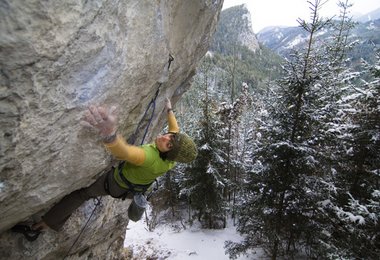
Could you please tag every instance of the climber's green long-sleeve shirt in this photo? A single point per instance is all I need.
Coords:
(143, 163)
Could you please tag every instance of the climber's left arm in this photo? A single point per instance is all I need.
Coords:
(172, 122)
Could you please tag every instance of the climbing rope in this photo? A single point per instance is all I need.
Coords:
(97, 203)
(131, 140)
(151, 105)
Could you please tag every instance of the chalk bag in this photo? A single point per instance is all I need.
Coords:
(137, 207)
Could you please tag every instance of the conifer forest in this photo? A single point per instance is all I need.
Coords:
(288, 145)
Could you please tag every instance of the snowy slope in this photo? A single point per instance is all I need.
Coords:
(172, 242)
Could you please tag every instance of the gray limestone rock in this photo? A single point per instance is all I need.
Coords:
(57, 58)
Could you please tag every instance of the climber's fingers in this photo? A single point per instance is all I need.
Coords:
(108, 115)
(85, 123)
(95, 113)
(168, 104)
(113, 111)
(89, 118)
(102, 119)
(103, 112)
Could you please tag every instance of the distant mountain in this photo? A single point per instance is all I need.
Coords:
(374, 15)
(234, 28)
(283, 39)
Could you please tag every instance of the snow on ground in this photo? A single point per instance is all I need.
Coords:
(171, 242)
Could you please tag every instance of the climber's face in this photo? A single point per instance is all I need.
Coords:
(164, 142)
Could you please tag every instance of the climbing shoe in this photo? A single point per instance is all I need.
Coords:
(28, 233)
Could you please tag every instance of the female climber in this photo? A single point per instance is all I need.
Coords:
(142, 165)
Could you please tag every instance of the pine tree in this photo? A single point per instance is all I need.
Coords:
(204, 181)
(353, 208)
(282, 193)
(344, 136)
(230, 119)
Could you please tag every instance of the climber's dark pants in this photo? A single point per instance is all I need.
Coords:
(57, 215)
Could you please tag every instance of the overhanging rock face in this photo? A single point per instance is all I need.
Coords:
(57, 58)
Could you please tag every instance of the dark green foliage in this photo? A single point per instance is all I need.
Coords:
(314, 188)
(204, 183)
(281, 210)
(355, 205)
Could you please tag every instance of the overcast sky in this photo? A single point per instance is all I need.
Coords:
(285, 12)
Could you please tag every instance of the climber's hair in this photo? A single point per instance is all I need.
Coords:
(163, 155)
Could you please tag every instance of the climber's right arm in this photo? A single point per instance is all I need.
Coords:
(105, 121)
(124, 151)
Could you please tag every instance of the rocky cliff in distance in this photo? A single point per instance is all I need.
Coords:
(234, 29)
(58, 57)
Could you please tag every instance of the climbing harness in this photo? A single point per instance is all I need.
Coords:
(132, 188)
(131, 140)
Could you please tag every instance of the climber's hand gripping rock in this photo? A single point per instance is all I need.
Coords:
(103, 119)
